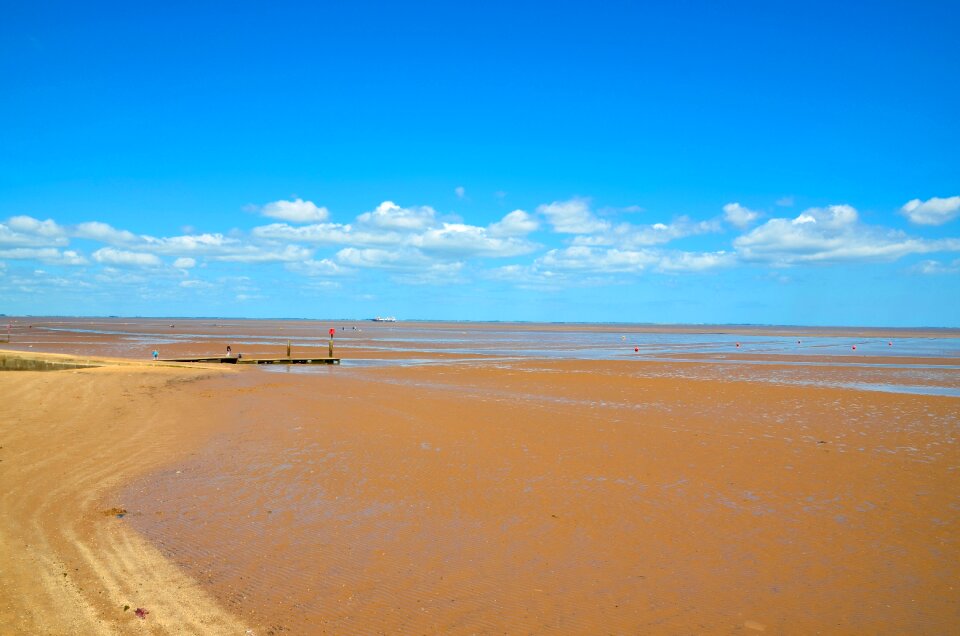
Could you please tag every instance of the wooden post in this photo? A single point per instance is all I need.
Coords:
(288, 349)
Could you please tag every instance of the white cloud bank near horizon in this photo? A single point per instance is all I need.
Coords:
(564, 242)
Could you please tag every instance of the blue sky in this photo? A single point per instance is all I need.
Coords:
(696, 162)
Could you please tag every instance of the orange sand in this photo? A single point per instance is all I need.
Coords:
(525, 497)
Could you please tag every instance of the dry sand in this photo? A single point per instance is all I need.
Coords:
(68, 565)
(522, 497)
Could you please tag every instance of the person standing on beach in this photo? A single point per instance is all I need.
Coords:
(156, 354)
(229, 351)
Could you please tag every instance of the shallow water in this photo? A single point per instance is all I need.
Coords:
(600, 342)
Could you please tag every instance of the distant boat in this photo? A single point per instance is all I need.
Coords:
(384, 319)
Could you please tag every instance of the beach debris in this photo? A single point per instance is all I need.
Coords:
(114, 512)
(141, 613)
(126, 607)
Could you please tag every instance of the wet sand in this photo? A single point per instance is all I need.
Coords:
(501, 496)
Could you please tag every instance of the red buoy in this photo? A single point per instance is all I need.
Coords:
(636, 349)
(854, 347)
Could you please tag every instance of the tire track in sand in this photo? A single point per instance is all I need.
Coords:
(67, 439)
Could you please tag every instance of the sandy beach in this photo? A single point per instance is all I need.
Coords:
(524, 495)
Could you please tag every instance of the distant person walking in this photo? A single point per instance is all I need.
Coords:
(156, 354)
(229, 351)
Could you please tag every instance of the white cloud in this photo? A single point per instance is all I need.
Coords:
(321, 233)
(696, 262)
(933, 268)
(629, 236)
(828, 235)
(297, 211)
(590, 259)
(516, 223)
(323, 267)
(122, 258)
(390, 216)
(738, 215)
(195, 284)
(572, 217)
(47, 255)
(459, 240)
(30, 225)
(191, 244)
(328, 234)
(103, 232)
(933, 211)
(379, 258)
(460, 192)
(255, 254)
(26, 231)
(185, 263)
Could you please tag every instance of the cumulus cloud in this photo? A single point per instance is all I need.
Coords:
(459, 240)
(572, 217)
(516, 223)
(320, 233)
(26, 231)
(390, 216)
(629, 236)
(195, 284)
(382, 259)
(185, 263)
(122, 258)
(195, 243)
(97, 231)
(934, 268)
(256, 254)
(48, 255)
(590, 259)
(695, 261)
(738, 215)
(296, 211)
(829, 235)
(322, 267)
(933, 211)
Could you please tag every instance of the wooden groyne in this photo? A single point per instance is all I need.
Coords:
(236, 360)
